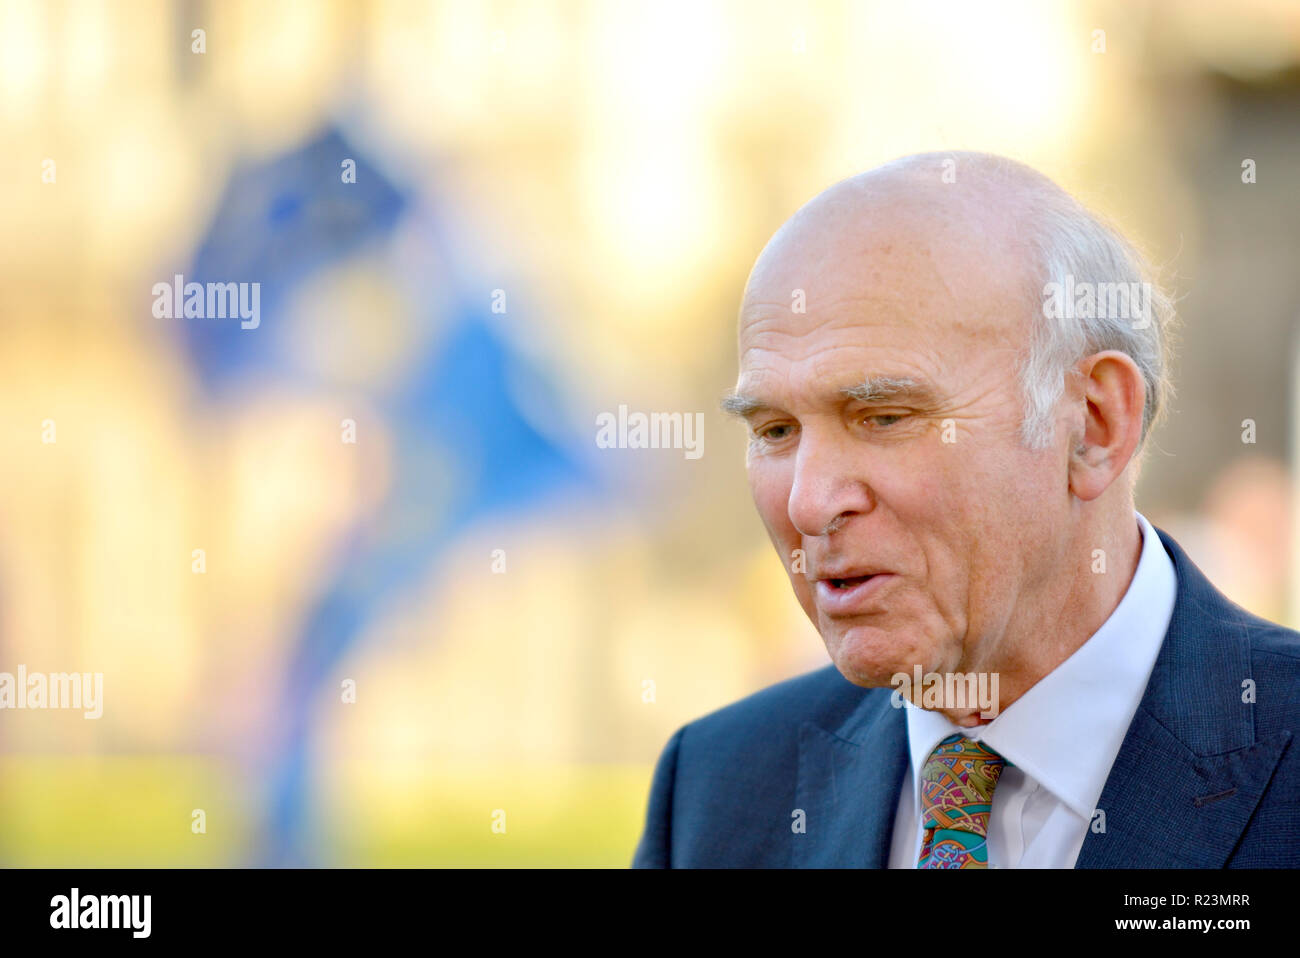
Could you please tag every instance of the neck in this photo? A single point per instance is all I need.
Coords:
(1068, 615)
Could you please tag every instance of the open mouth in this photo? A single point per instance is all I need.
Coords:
(849, 583)
(853, 595)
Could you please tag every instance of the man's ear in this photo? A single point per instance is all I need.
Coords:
(1113, 394)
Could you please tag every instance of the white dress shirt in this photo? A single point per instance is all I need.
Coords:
(1062, 735)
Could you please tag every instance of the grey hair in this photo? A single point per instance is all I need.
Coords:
(1070, 244)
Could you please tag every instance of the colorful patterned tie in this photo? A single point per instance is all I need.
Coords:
(957, 785)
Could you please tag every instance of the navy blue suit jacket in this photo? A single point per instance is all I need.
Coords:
(1203, 779)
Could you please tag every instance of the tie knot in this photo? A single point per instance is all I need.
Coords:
(957, 785)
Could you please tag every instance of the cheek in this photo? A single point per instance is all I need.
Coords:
(771, 491)
(771, 494)
(955, 482)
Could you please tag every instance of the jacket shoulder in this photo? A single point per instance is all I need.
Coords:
(1271, 639)
(1275, 670)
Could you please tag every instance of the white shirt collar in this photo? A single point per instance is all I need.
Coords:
(1067, 729)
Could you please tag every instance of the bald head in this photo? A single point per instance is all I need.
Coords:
(970, 197)
(905, 241)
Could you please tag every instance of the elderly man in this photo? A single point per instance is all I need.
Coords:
(948, 370)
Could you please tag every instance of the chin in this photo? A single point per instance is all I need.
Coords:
(872, 658)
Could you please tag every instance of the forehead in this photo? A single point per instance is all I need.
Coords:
(838, 298)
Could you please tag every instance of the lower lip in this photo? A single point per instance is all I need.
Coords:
(852, 600)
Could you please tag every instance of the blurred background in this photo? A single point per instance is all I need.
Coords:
(363, 588)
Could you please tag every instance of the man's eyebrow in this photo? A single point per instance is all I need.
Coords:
(873, 389)
(739, 404)
(880, 389)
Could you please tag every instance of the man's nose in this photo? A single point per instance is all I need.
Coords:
(827, 489)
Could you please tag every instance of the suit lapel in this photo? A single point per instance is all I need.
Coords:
(1166, 807)
(1190, 771)
(849, 781)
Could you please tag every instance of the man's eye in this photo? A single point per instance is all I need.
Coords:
(774, 433)
(886, 419)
